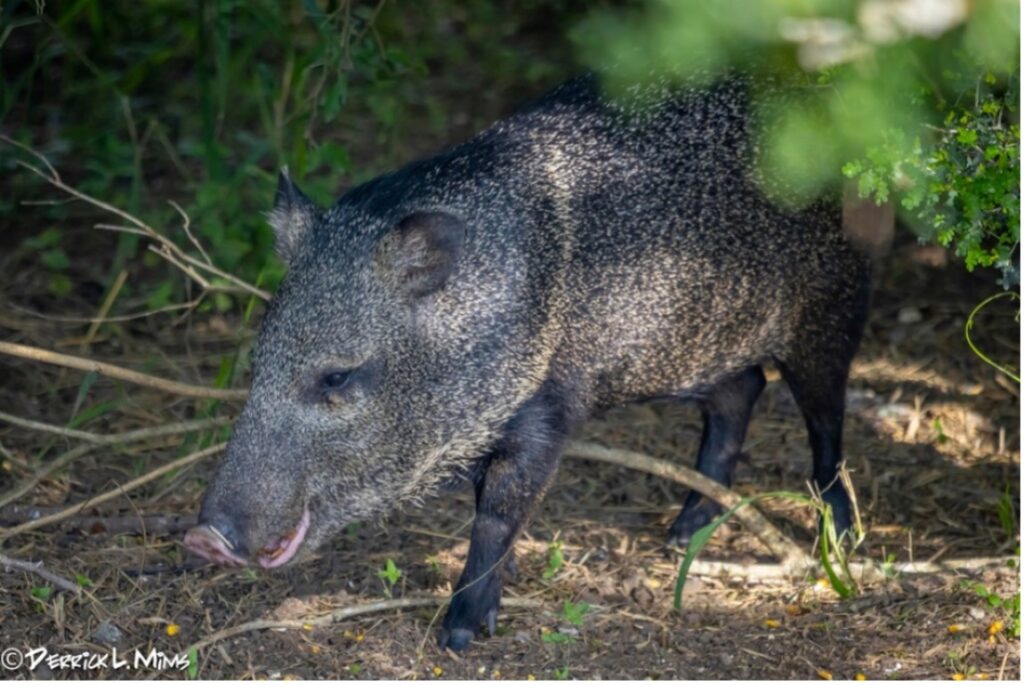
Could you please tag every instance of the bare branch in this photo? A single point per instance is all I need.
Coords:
(792, 557)
(136, 377)
(37, 568)
(342, 614)
(94, 441)
(120, 490)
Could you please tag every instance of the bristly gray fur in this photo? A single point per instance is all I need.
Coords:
(621, 250)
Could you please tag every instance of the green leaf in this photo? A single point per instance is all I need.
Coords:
(59, 284)
(390, 573)
(828, 534)
(55, 259)
(574, 612)
(193, 664)
(556, 638)
(83, 581)
(42, 592)
(555, 560)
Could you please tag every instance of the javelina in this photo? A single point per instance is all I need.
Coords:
(455, 320)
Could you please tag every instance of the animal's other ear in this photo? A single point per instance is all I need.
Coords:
(292, 217)
(421, 252)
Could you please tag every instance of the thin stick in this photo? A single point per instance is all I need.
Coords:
(95, 441)
(111, 524)
(340, 615)
(37, 568)
(83, 364)
(866, 571)
(32, 481)
(108, 302)
(160, 431)
(76, 509)
(54, 179)
(791, 556)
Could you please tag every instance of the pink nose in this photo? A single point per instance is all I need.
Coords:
(209, 543)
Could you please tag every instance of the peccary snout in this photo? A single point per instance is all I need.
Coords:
(221, 540)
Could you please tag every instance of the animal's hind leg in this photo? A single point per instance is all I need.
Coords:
(816, 372)
(726, 408)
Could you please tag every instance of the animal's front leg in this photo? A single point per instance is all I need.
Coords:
(518, 472)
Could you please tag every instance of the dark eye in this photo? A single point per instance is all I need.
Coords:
(333, 381)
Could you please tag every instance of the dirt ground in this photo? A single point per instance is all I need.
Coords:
(932, 442)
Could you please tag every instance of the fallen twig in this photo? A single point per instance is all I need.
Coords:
(29, 483)
(75, 509)
(37, 568)
(94, 441)
(100, 524)
(789, 554)
(120, 373)
(159, 431)
(340, 615)
(866, 571)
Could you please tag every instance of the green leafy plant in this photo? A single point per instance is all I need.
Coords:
(833, 550)
(573, 612)
(562, 673)
(192, 670)
(958, 181)
(555, 560)
(41, 592)
(555, 637)
(1007, 513)
(1006, 608)
(935, 130)
(390, 575)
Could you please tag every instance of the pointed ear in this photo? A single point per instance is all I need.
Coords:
(421, 252)
(292, 216)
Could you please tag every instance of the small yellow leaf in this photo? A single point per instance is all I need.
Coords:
(954, 628)
(496, 674)
(173, 629)
(983, 676)
(315, 649)
(860, 676)
(652, 583)
(308, 627)
(996, 627)
(530, 676)
(794, 609)
(438, 671)
(360, 636)
(824, 675)
(771, 623)
(958, 676)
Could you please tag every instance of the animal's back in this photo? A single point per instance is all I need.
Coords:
(678, 268)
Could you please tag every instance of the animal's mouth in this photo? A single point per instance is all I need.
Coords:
(210, 543)
(284, 549)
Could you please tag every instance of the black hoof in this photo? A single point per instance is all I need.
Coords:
(842, 510)
(689, 521)
(473, 605)
(456, 640)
